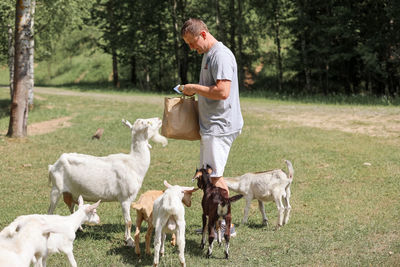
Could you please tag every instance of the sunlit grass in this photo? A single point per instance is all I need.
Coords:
(344, 213)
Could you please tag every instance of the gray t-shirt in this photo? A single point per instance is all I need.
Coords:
(219, 117)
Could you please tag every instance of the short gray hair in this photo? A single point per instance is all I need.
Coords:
(193, 26)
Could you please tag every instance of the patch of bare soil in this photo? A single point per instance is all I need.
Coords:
(372, 121)
(48, 126)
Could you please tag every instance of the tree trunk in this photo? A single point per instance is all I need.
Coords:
(181, 52)
(133, 70)
(304, 53)
(220, 34)
(305, 63)
(176, 35)
(115, 68)
(240, 57)
(233, 26)
(11, 59)
(278, 45)
(19, 104)
(31, 59)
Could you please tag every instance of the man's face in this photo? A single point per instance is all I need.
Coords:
(196, 42)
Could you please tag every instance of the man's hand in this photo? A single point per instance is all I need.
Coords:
(188, 89)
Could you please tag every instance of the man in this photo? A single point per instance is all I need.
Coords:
(220, 117)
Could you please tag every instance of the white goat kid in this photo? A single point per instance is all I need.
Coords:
(169, 217)
(19, 246)
(116, 177)
(65, 243)
(265, 186)
(56, 242)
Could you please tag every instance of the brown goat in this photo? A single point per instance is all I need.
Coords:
(216, 206)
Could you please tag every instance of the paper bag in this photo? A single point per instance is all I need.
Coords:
(181, 118)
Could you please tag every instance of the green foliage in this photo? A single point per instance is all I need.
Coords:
(7, 18)
(335, 47)
(344, 213)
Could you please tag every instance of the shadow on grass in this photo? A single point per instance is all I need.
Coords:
(4, 108)
(99, 232)
(129, 256)
(254, 225)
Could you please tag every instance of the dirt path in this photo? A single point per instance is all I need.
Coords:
(373, 121)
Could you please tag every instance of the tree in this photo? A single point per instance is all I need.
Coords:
(31, 62)
(19, 104)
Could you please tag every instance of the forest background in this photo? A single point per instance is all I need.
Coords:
(285, 47)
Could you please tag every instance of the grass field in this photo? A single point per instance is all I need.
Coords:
(345, 195)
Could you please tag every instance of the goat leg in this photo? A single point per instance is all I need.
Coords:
(139, 220)
(219, 233)
(211, 237)
(148, 237)
(203, 239)
(286, 203)
(126, 205)
(262, 210)
(227, 234)
(163, 236)
(281, 210)
(247, 208)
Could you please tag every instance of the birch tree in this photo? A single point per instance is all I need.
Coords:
(19, 103)
(31, 62)
(11, 59)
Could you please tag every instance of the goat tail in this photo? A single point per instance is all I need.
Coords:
(136, 206)
(10, 230)
(290, 168)
(235, 198)
(50, 174)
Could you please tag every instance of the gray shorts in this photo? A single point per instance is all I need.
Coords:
(214, 151)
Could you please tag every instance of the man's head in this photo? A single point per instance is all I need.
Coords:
(196, 35)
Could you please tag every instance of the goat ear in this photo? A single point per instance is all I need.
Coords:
(209, 169)
(127, 123)
(93, 206)
(190, 190)
(167, 184)
(80, 200)
(196, 176)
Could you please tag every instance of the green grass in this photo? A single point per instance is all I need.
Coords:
(86, 68)
(344, 213)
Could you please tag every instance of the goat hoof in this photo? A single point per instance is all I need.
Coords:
(226, 255)
(208, 256)
(265, 222)
(130, 243)
(201, 246)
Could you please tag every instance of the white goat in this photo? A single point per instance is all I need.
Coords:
(56, 242)
(144, 212)
(169, 217)
(25, 244)
(116, 177)
(265, 186)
